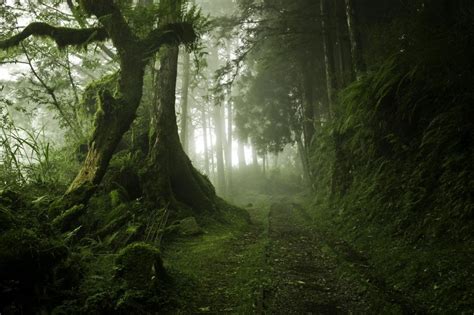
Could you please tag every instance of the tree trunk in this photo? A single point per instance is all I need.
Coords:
(115, 112)
(254, 158)
(206, 146)
(171, 176)
(241, 155)
(308, 105)
(356, 48)
(229, 147)
(304, 160)
(219, 132)
(331, 82)
(113, 118)
(184, 102)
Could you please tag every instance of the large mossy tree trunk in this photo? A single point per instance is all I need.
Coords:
(171, 177)
(113, 118)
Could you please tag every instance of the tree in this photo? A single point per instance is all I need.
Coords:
(116, 111)
(171, 175)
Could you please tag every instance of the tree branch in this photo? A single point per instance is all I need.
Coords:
(63, 36)
(83, 23)
(174, 33)
(50, 92)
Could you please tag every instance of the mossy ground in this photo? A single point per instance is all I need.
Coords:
(284, 262)
(220, 271)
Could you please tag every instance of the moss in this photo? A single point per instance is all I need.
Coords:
(125, 180)
(114, 225)
(189, 227)
(116, 198)
(6, 219)
(90, 95)
(69, 218)
(140, 265)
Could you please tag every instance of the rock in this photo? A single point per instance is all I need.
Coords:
(189, 227)
(140, 265)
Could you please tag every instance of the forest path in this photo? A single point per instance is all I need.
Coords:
(281, 263)
(312, 273)
(303, 278)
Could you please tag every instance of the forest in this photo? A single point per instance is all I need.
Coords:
(236, 157)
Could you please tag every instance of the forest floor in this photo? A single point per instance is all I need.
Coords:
(282, 263)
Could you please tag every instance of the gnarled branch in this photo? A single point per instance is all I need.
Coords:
(63, 36)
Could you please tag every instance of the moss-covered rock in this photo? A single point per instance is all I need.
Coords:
(140, 265)
(189, 227)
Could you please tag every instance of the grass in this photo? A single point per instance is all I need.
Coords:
(220, 271)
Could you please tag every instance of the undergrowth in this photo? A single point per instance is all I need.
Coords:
(403, 192)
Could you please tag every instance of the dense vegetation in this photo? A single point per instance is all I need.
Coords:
(118, 119)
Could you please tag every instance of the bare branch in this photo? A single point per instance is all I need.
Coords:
(63, 36)
(50, 91)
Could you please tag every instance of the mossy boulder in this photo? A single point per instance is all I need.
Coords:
(140, 265)
(189, 227)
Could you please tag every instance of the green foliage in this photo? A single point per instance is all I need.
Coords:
(267, 112)
(405, 133)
